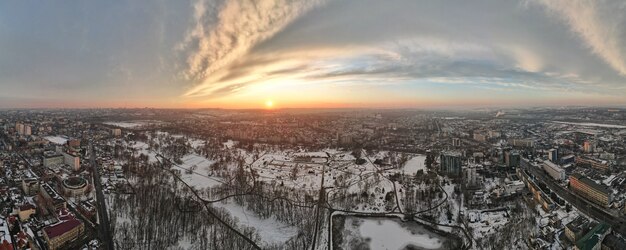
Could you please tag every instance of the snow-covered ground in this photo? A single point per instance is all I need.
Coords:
(270, 230)
(590, 124)
(199, 177)
(485, 223)
(414, 164)
(57, 139)
(125, 124)
(388, 233)
(143, 148)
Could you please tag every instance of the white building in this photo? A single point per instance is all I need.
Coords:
(72, 160)
(554, 170)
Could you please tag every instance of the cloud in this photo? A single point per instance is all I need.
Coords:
(235, 27)
(487, 43)
(601, 24)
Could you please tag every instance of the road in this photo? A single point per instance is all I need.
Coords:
(580, 203)
(104, 224)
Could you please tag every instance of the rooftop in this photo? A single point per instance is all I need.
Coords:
(61, 228)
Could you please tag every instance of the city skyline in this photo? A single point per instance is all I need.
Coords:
(312, 54)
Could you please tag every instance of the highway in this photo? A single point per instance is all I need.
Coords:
(104, 224)
(586, 207)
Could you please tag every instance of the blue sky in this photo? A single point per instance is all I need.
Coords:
(314, 53)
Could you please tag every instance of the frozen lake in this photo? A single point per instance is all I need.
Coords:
(386, 233)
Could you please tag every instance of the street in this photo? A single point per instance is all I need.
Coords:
(580, 203)
(104, 225)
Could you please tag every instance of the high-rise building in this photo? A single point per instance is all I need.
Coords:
(450, 163)
(116, 132)
(512, 158)
(19, 128)
(456, 142)
(588, 147)
(521, 142)
(72, 160)
(27, 130)
(480, 136)
(555, 171)
(553, 155)
(590, 190)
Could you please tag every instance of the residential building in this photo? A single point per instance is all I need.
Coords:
(59, 234)
(578, 228)
(512, 158)
(527, 143)
(555, 171)
(590, 190)
(602, 166)
(593, 239)
(450, 163)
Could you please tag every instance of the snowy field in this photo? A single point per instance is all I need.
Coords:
(199, 177)
(414, 164)
(270, 230)
(125, 124)
(485, 223)
(388, 233)
(590, 124)
(56, 139)
(143, 148)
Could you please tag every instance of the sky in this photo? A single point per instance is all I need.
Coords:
(312, 53)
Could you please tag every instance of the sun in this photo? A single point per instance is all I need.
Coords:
(269, 104)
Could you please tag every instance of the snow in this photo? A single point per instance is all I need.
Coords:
(487, 222)
(608, 180)
(415, 164)
(57, 139)
(270, 230)
(391, 234)
(229, 144)
(197, 178)
(590, 124)
(125, 124)
(143, 148)
(195, 160)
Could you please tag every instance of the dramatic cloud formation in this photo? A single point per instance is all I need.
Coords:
(599, 23)
(309, 53)
(573, 46)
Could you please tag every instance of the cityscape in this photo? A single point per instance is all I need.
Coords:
(313, 125)
(313, 179)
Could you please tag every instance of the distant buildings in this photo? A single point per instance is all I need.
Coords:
(553, 155)
(52, 159)
(555, 171)
(602, 166)
(450, 163)
(19, 128)
(480, 136)
(527, 143)
(456, 142)
(75, 143)
(116, 132)
(588, 147)
(512, 158)
(589, 189)
(72, 160)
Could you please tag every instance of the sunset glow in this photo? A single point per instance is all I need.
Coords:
(313, 54)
